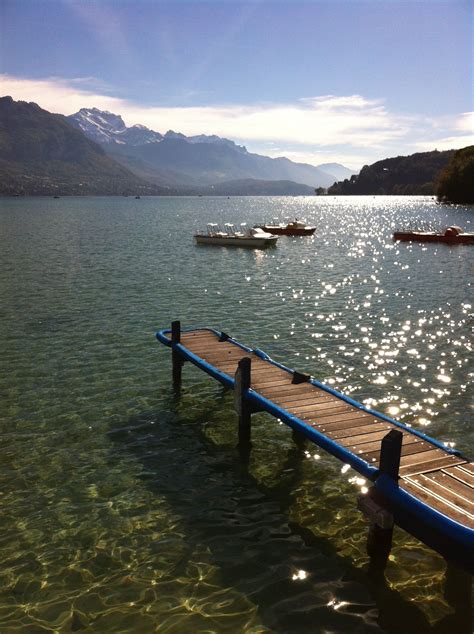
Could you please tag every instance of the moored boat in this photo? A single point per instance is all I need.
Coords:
(295, 228)
(254, 237)
(452, 235)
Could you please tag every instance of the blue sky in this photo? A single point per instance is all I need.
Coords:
(349, 81)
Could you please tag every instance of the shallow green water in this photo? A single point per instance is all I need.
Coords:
(125, 509)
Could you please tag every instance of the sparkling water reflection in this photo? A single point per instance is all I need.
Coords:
(126, 509)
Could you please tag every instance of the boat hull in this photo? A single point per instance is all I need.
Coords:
(236, 241)
(462, 238)
(286, 231)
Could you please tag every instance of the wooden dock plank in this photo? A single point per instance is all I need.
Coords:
(198, 336)
(351, 442)
(272, 393)
(351, 432)
(422, 457)
(460, 474)
(447, 460)
(302, 398)
(419, 491)
(410, 445)
(222, 357)
(329, 428)
(258, 383)
(328, 419)
(431, 482)
(206, 344)
(324, 408)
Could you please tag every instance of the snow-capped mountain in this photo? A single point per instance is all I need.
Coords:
(202, 159)
(105, 127)
(205, 138)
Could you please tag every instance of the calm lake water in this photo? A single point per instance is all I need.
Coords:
(126, 509)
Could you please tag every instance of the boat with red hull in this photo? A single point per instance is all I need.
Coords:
(295, 228)
(452, 235)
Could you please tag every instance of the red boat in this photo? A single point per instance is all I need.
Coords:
(295, 228)
(452, 235)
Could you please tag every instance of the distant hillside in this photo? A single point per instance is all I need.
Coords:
(196, 160)
(411, 175)
(456, 181)
(252, 187)
(42, 153)
(337, 170)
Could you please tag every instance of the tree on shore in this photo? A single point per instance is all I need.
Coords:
(456, 181)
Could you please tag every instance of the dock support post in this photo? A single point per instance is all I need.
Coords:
(390, 452)
(177, 360)
(379, 540)
(242, 406)
(458, 593)
(298, 438)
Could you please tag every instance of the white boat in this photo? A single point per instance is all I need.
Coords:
(254, 237)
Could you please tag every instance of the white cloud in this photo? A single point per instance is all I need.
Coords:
(446, 143)
(327, 128)
(58, 95)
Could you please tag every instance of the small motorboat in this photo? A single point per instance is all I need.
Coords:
(452, 235)
(254, 238)
(295, 228)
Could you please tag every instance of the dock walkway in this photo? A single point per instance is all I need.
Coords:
(433, 496)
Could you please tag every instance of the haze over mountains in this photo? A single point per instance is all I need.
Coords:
(173, 158)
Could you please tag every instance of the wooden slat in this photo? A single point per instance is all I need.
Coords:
(233, 363)
(430, 482)
(202, 336)
(410, 445)
(352, 431)
(433, 465)
(221, 362)
(333, 406)
(210, 348)
(327, 419)
(263, 383)
(256, 368)
(422, 457)
(353, 422)
(423, 494)
(203, 342)
(220, 357)
(301, 388)
(461, 475)
(468, 466)
(359, 439)
(255, 372)
(448, 482)
(302, 399)
(363, 430)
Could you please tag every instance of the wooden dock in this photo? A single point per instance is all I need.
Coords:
(426, 487)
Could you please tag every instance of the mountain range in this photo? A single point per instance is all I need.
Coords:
(179, 160)
(42, 153)
(94, 153)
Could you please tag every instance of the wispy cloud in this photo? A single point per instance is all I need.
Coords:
(350, 129)
(104, 24)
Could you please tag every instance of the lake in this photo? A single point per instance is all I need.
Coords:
(127, 509)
